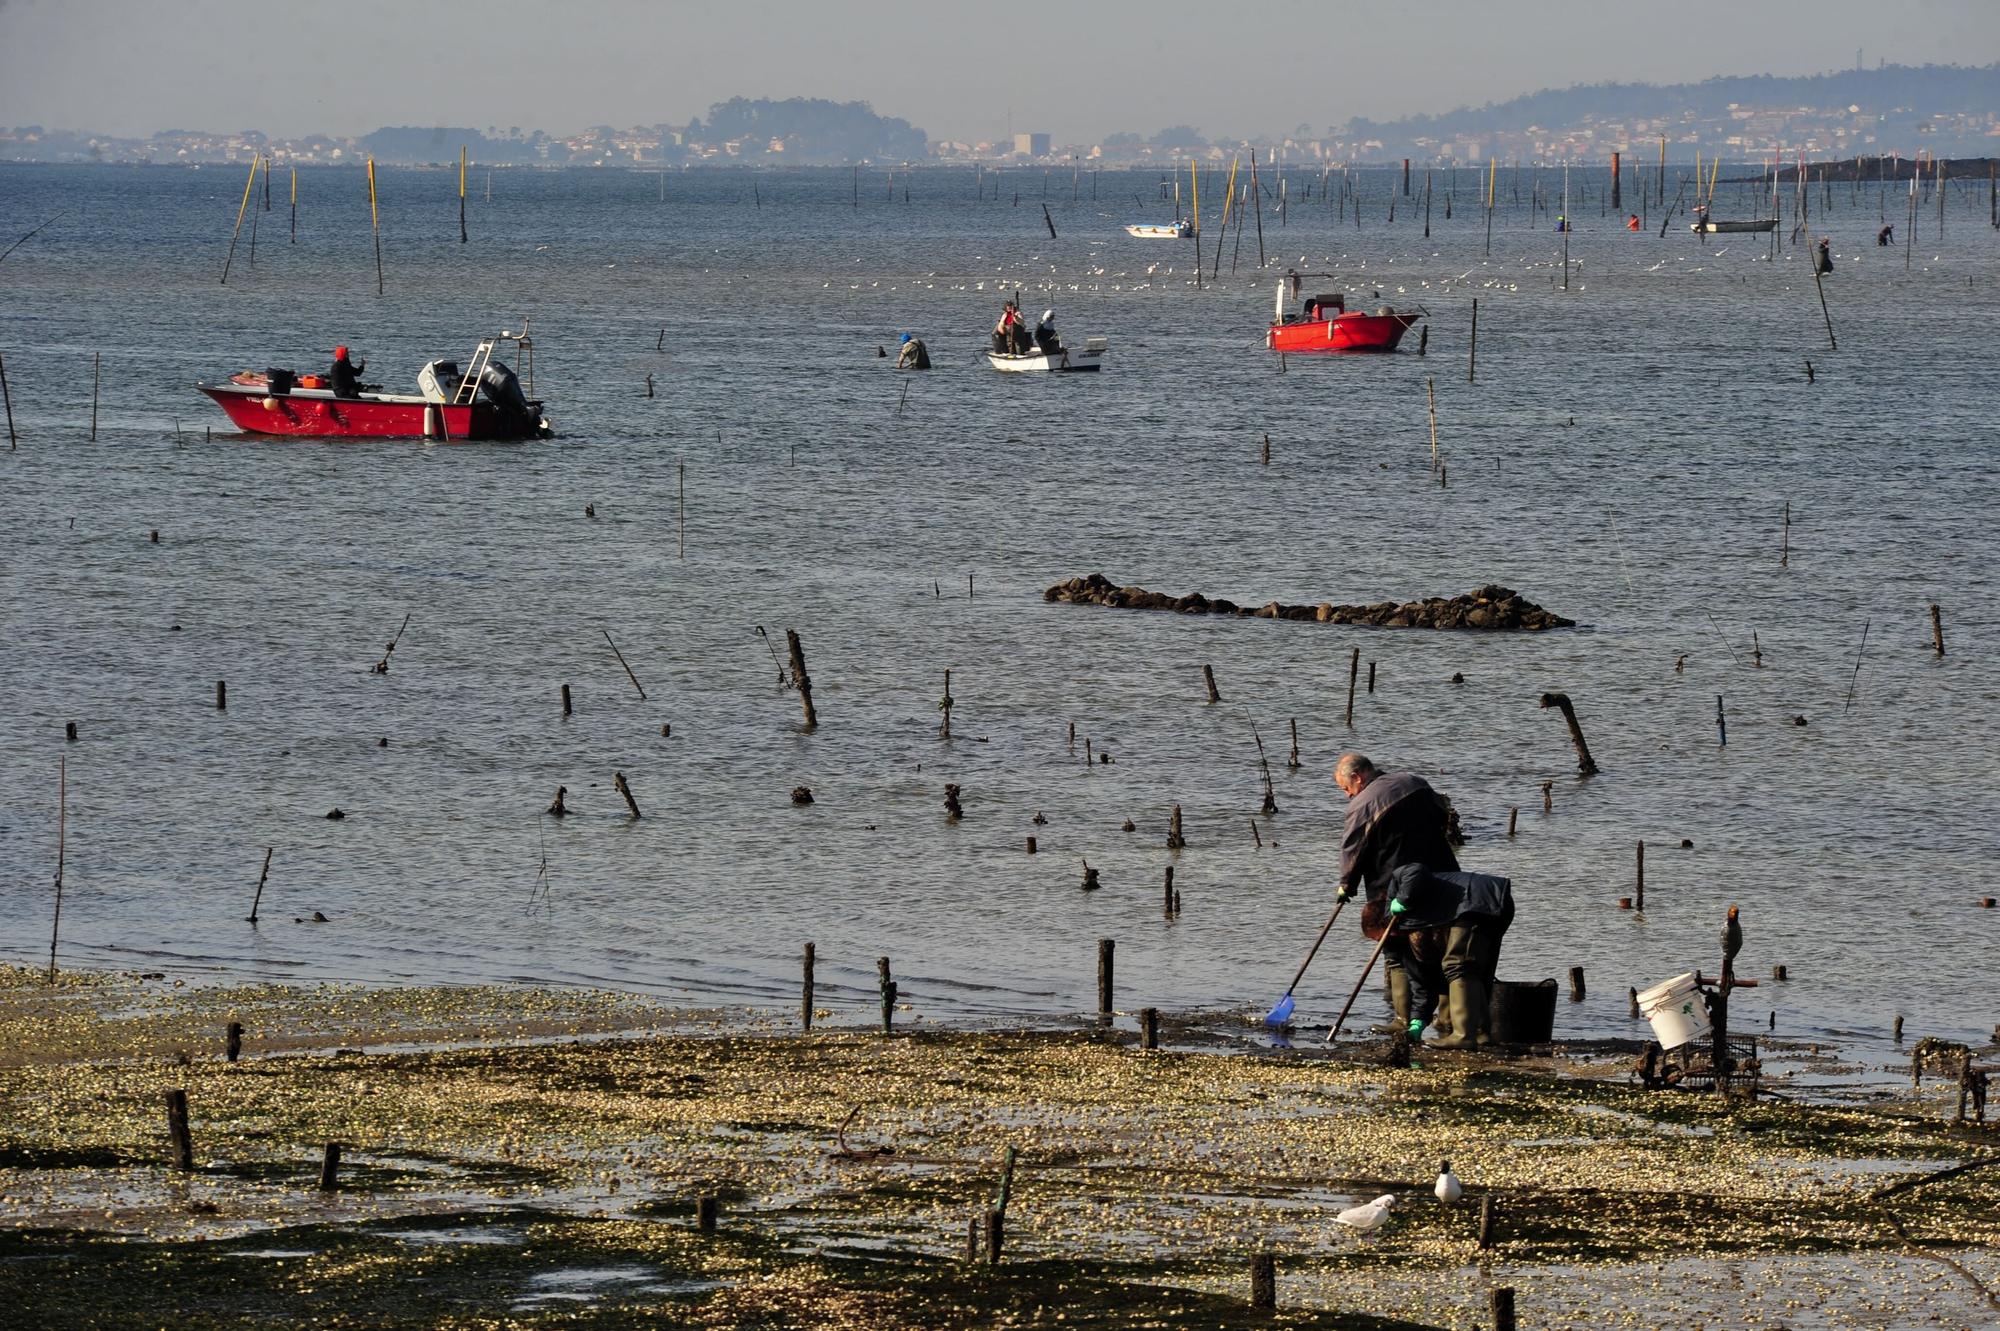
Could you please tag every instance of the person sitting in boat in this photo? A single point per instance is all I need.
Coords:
(345, 374)
(1046, 340)
(914, 355)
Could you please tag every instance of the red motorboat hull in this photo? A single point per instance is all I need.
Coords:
(1345, 332)
(319, 414)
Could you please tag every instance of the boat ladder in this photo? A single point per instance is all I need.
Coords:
(468, 387)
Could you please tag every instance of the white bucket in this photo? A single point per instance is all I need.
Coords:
(1676, 1009)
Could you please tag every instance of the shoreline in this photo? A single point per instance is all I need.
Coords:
(548, 1137)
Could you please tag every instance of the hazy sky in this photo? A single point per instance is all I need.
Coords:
(1079, 69)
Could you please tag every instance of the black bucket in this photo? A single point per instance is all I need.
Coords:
(279, 382)
(1522, 1013)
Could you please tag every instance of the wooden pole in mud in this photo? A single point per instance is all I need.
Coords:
(1264, 1266)
(262, 876)
(96, 370)
(1353, 677)
(806, 991)
(799, 676)
(329, 1168)
(241, 210)
(62, 827)
(1639, 879)
(888, 992)
(1175, 840)
(1167, 897)
(1106, 947)
(177, 1130)
(1584, 763)
(1937, 629)
(1208, 678)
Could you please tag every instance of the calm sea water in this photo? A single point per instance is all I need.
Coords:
(1625, 458)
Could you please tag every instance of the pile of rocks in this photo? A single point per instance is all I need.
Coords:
(1493, 608)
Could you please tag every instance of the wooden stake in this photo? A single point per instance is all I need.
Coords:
(329, 1168)
(375, 220)
(619, 784)
(996, 1231)
(1208, 678)
(1353, 676)
(262, 875)
(1937, 629)
(221, 695)
(1513, 817)
(1820, 284)
(1785, 542)
(1170, 896)
(177, 1122)
(680, 514)
(461, 194)
(565, 701)
(1293, 761)
(888, 992)
(621, 661)
(1175, 840)
(705, 1208)
(1486, 1218)
(944, 709)
(96, 366)
(1639, 879)
(13, 443)
(242, 209)
(800, 679)
(1149, 1028)
(232, 1041)
(62, 827)
(1263, 1281)
(806, 991)
(1584, 763)
(1431, 397)
(1472, 355)
(1105, 948)
(1502, 1300)
(1576, 984)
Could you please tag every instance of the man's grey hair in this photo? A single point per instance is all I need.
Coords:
(1353, 765)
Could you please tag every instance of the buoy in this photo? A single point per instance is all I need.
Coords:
(270, 404)
(430, 421)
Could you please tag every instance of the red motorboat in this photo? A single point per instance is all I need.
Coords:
(484, 402)
(1325, 324)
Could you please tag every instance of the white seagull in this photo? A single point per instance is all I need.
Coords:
(1369, 1216)
(1449, 1189)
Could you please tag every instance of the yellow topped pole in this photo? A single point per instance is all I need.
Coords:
(241, 210)
(1194, 174)
(375, 220)
(461, 194)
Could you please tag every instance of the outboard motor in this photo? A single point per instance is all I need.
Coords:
(502, 387)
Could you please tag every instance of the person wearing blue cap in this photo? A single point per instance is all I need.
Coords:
(914, 355)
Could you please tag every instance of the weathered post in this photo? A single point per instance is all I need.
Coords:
(329, 1168)
(1149, 1028)
(1105, 949)
(1937, 629)
(1584, 763)
(1353, 677)
(800, 678)
(177, 1130)
(1208, 678)
(1263, 1281)
(1639, 879)
(618, 783)
(806, 991)
(1472, 355)
(1503, 1309)
(889, 988)
(705, 1207)
(1175, 841)
(232, 1041)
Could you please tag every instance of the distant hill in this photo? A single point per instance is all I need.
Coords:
(1911, 90)
(801, 129)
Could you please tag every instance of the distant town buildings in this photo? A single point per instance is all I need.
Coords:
(1031, 145)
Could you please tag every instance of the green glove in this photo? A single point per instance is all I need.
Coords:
(1416, 1027)
(1397, 908)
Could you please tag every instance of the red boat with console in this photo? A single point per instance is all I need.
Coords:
(485, 401)
(1325, 324)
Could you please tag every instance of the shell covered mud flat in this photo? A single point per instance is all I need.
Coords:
(521, 1158)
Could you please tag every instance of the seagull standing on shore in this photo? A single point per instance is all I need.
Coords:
(1449, 1189)
(1368, 1216)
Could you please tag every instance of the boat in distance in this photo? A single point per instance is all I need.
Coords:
(1058, 359)
(484, 402)
(1730, 228)
(1161, 230)
(1325, 324)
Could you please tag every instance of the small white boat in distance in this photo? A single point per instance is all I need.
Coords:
(1180, 230)
(1059, 360)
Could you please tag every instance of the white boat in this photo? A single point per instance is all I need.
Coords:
(1059, 360)
(1180, 230)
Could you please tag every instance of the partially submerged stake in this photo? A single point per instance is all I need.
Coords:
(806, 991)
(177, 1123)
(619, 784)
(1584, 763)
(1208, 678)
(621, 661)
(800, 679)
(62, 823)
(241, 210)
(1353, 676)
(264, 874)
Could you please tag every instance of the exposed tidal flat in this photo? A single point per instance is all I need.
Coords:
(537, 1159)
(1643, 453)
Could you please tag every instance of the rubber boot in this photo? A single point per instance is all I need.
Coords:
(1462, 1030)
(1399, 1003)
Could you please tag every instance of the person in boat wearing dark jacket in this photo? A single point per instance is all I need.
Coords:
(1473, 910)
(1393, 819)
(914, 355)
(345, 374)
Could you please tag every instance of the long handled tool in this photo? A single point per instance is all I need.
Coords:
(1282, 1011)
(1334, 1034)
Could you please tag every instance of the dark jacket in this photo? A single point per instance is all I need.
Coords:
(1443, 897)
(1396, 819)
(346, 383)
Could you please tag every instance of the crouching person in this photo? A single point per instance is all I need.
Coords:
(1474, 909)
